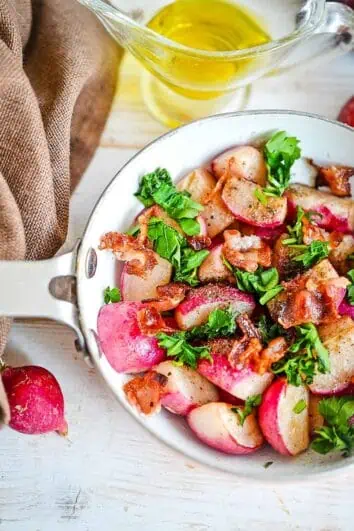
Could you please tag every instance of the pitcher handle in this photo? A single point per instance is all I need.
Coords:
(334, 37)
(43, 289)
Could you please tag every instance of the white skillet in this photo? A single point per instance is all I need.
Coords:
(35, 289)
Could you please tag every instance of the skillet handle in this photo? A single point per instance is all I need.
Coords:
(42, 289)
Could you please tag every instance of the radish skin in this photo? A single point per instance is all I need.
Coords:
(243, 161)
(217, 426)
(126, 348)
(35, 399)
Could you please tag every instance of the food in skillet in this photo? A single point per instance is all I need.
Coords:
(236, 302)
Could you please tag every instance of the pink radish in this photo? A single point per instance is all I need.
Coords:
(242, 161)
(200, 183)
(239, 195)
(346, 309)
(338, 338)
(185, 388)
(285, 429)
(200, 302)
(213, 268)
(136, 288)
(35, 399)
(126, 348)
(337, 213)
(216, 425)
(263, 233)
(239, 382)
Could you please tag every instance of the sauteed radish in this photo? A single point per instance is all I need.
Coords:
(237, 286)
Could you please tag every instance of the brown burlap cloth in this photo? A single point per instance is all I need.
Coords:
(58, 71)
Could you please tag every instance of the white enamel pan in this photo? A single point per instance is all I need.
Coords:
(47, 289)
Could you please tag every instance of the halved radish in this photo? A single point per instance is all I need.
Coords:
(264, 233)
(346, 309)
(240, 382)
(185, 388)
(213, 269)
(136, 288)
(243, 161)
(338, 338)
(200, 302)
(339, 255)
(286, 430)
(216, 425)
(336, 213)
(199, 183)
(121, 341)
(239, 197)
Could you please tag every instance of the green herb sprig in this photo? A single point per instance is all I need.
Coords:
(178, 347)
(280, 153)
(157, 188)
(307, 356)
(220, 323)
(312, 254)
(111, 295)
(350, 288)
(338, 433)
(250, 404)
(300, 406)
(263, 282)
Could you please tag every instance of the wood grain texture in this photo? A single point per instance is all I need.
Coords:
(109, 474)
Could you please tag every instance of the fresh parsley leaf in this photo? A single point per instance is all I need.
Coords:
(111, 295)
(157, 188)
(269, 330)
(191, 227)
(150, 183)
(265, 283)
(311, 357)
(221, 323)
(167, 241)
(338, 433)
(133, 231)
(295, 231)
(312, 254)
(350, 288)
(300, 406)
(178, 347)
(190, 261)
(250, 403)
(280, 153)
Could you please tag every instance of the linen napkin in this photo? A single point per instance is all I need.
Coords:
(58, 71)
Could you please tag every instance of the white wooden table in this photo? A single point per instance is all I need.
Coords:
(109, 474)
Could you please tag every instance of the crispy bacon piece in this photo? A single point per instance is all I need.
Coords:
(275, 351)
(337, 178)
(220, 184)
(140, 259)
(247, 327)
(308, 298)
(169, 296)
(246, 252)
(199, 242)
(150, 321)
(244, 351)
(145, 392)
(312, 232)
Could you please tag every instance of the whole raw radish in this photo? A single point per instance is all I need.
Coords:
(35, 399)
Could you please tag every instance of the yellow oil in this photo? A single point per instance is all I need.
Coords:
(208, 25)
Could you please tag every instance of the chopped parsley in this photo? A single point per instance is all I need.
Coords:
(312, 254)
(263, 282)
(338, 433)
(178, 347)
(111, 295)
(267, 464)
(350, 288)
(295, 231)
(280, 153)
(300, 406)
(172, 246)
(307, 356)
(220, 323)
(246, 410)
(157, 188)
(133, 231)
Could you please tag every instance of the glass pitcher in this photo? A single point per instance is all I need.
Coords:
(180, 83)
